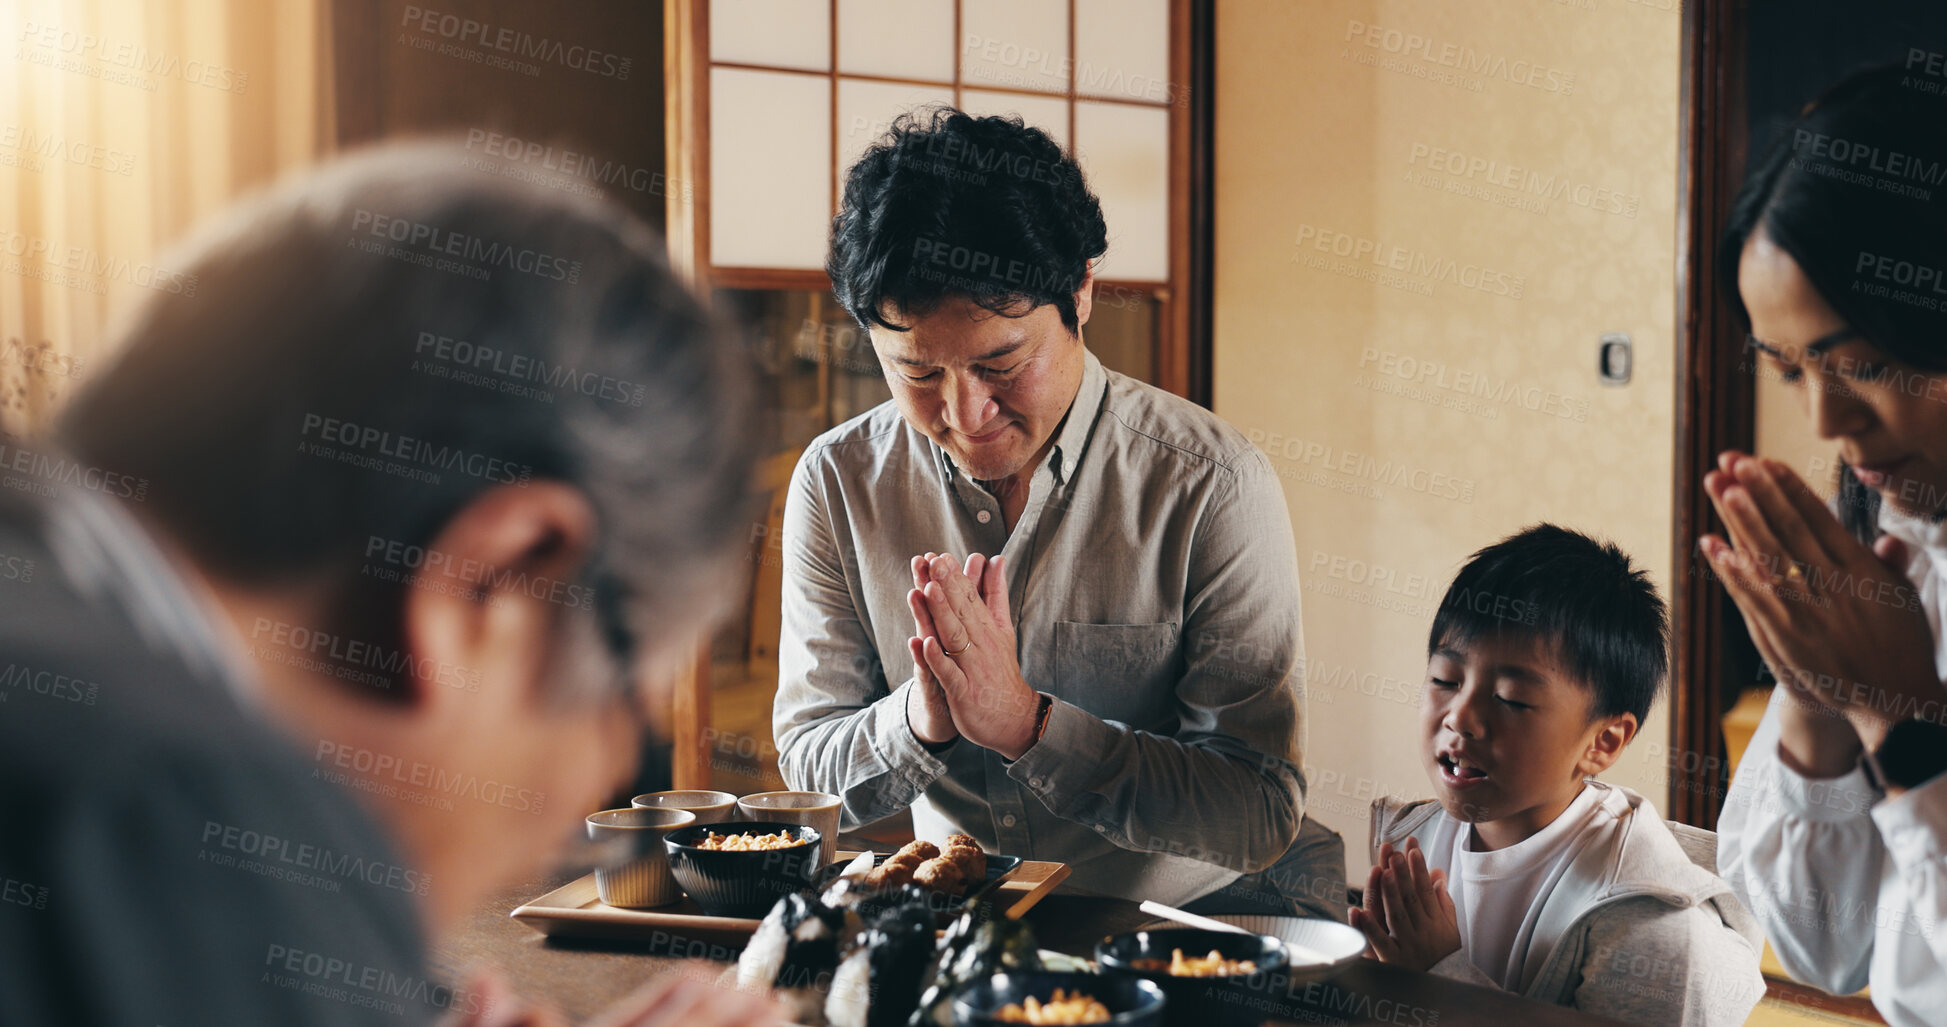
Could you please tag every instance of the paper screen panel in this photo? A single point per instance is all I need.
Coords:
(896, 38)
(1124, 151)
(1016, 44)
(1122, 49)
(774, 33)
(770, 161)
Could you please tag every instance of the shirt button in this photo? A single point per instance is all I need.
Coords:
(983, 516)
(1008, 820)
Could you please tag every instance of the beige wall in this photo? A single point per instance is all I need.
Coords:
(1435, 389)
(1785, 432)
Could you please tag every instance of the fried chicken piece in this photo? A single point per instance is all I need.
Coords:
(924, 850)
(941, 875)
(971, 861)
(891, 874)
(961, 839)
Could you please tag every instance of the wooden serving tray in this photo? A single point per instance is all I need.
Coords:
(574, 911)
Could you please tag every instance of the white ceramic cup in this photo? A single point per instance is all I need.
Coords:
(645, 880)
(709, 807)
(812, 809)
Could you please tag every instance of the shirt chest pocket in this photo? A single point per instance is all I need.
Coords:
(1121, 672)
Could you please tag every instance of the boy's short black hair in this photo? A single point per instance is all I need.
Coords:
(947, 204)
(1602, 617)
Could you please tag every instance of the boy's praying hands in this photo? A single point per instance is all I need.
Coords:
(1408, 917)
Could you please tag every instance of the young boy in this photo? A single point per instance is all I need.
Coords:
(1525, 873)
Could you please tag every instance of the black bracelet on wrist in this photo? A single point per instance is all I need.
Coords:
(1913, 753)
(1041, 717)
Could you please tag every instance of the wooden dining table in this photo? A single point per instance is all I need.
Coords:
(581, 978)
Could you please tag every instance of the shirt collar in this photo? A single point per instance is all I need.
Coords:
(1921, 532)
(109, 556)
(1071, 440)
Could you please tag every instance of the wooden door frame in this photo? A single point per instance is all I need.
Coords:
(686, 119)
(357, 83)
(1184, 367)
(1716, 402)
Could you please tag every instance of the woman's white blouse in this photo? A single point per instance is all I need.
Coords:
(1851, 888)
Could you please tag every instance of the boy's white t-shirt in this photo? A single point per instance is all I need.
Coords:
(1498, 895)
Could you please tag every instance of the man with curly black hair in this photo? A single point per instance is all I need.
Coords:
(1111, 675)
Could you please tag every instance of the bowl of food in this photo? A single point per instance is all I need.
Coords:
(742, 867)
(1060, 998)
(1209, 976)
(1315, 948)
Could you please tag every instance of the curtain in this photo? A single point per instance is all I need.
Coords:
(123, 122)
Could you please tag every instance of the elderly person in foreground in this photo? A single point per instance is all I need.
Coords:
(329, 631)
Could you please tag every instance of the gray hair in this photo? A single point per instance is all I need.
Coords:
(348, 360)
